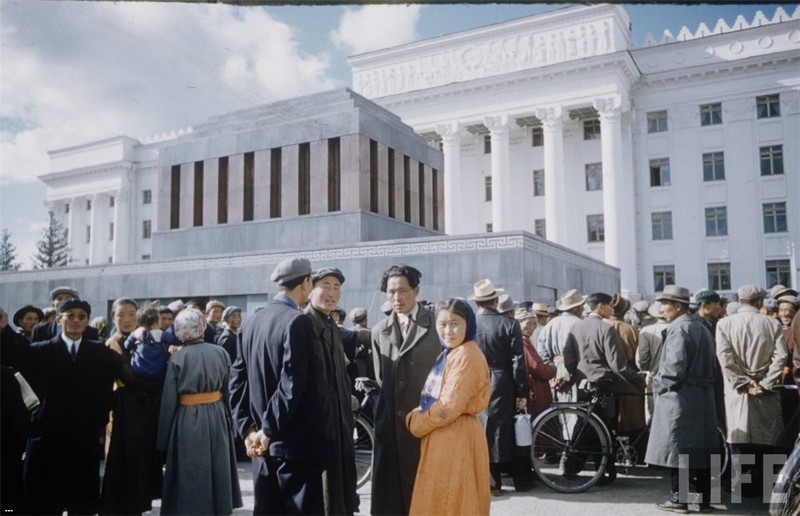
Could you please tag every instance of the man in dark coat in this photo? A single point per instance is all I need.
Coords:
(232, 317)
(404, 348)
(73, 377)
(279, 397)
(49, 329)
(339, 479)
(500, 339)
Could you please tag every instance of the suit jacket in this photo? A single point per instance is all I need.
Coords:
(228, 340)
(48, 330)
(275, 385)
(602, 357)
(401, 367)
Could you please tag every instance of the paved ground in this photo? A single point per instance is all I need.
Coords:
(634, 493)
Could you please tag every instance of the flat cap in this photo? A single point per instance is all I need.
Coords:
(63, 290)
(74, 303)
(327, 271)
(290, 269)
(750, 293)
(706, 296)
(358, 314)
(229, 311)
(792, 300)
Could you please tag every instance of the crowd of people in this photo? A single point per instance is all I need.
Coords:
(177, 394)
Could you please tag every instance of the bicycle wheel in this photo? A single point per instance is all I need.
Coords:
(785, 498)
(363, 445)
(570, 449)
(725, 453)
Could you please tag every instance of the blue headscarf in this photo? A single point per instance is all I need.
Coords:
(433, 384)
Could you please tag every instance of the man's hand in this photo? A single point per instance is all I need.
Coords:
(557, 383)
(755, 389)
(256, 443)
(558, 359)
(521, 403)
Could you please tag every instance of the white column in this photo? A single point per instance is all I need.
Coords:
(451, 146)
(122, 230)
(95, 245)
(554, 195)
(501, 172)
(71, 221)
(618, 201)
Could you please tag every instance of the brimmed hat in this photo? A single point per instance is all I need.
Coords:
(358, 314)
(750, 293)
(505, 304)
(570, 299)
(63, 290)
(640, 306)
(540, 309)
(655, 309)
(70, 304)
(780, 291)
(524, 313)
(792, 300)
(674, 293)
(327, 271)
(176, 306)
(619, 304)
(706, 296)
(290, 269)
(230, 311)
(483, 290)
(215, 303)
(19, 314)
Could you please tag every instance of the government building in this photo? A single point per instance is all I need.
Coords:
(548, 152)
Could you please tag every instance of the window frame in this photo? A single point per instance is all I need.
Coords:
(720, 224)
(487, 188)
(661, 225)
(714, 113)
(537, 191)
(772, 155)
(536, 223)
(781, 269)
(776, 213)
(768, 106)
(595, 228)
(713, 166)
(537, 136)
(592, 129)
(657, 121)
(487, 143)
(596, 170)
(657, 166)
(667, 276)
(719, 275)
(147, 229)
(147, 196)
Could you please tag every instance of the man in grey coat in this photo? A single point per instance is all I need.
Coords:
(404, 348)
(684, 421)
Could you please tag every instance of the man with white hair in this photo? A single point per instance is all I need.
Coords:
(751, 351)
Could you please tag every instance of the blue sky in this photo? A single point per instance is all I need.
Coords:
(75, 72)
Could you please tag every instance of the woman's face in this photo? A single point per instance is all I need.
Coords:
(527, 326)
(125, 318)
(451, 328)
(28, 321)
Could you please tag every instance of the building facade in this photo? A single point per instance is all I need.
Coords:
(676, 161)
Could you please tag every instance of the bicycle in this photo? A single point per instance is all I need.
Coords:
(785, 496)
(364, 428)
(573, 448)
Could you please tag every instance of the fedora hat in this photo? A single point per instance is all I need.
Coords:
(674, 293)
(570, 299)
(505, 304)
(484, 290)
(655, 309)
(540, 309)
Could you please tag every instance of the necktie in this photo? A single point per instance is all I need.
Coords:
(407, 327)
(73, 351)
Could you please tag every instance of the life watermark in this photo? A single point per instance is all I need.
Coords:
(738, 478)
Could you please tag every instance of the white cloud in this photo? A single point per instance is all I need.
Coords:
(373, 27)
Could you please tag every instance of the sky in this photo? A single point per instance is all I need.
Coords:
(77, 72)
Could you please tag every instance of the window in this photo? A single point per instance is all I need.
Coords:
(197, 204)
(768, 106)
(275, 187)
(88, 204)
(540, 227)
(407, 188)
(146, 229)
(663, 275)
(774, 217)
(304, 177)
(66, 208)
(489, 227)
(594, 177)
(537, 137)
(421, 172)
(248, 205)
(538, 183)
(335, 176)
(111, 231)
(110, 259)
(222, 190)
(717, 221)
(778, 273)
(145, 257)
(713, 166)
(591, 129)
(175, 197)
(487, 187)
(662, 225)
(147, 196)
(771, 160)
(111, 201)
(487, 143)
(657, 122)
(595, 228)
(659, 172)
(719, 276)
(711, 114)
(88, 234)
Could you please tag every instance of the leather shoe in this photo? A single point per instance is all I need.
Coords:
(672, 505)
(497, 492)
(706, 508)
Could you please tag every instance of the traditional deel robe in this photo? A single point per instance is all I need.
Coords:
(453, 474)
(401, 367)
(62, 460)
(750, 346)
(500, 339)
(200, 475)
(339, 476)
(540, 396)
(684, 420)
(631, 408)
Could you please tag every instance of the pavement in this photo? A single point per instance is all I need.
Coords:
(634, 492)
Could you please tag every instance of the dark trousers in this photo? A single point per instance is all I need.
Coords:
(703, 482)
(287, 487)
(518, 468)
(756, 470)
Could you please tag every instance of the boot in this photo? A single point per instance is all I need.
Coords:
(673, 504)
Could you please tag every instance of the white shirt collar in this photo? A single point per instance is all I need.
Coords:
(70, 341)
(403, 318)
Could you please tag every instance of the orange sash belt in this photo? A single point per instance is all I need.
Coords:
(201, 398)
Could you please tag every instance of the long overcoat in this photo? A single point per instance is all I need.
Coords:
(200, 476)
(453, 474)
(631, 408)
(684, 419)
(500, 339)
(750, 346)
(401, 367)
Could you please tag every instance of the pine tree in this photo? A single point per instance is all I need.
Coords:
(8, 252)
(53, 249)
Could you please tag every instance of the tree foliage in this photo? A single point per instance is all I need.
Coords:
(52, 250)
(8, 252)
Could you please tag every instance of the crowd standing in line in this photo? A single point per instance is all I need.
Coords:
(176, 387)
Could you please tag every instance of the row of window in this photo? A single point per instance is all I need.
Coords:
(719, 274)
(147, 231)
(767, 106)
(147, 198)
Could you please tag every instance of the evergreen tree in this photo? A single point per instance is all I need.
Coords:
(53, 249)
(8, 253)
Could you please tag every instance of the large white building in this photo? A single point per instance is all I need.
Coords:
(676, 161)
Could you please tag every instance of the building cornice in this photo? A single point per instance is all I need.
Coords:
(92, 145)
(83, 172)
